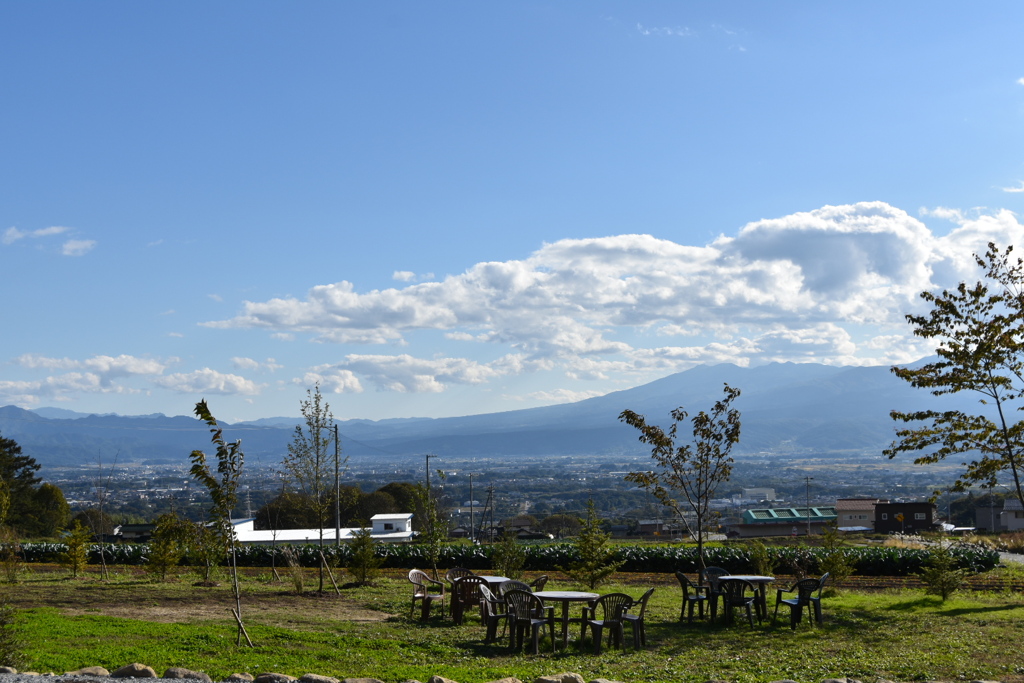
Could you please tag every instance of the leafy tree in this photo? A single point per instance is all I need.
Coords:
(434, 530)
(76, 553)
(18, 473)
(941, 577)
(310, 461)
(50, 509)
(521, 521)
(167, 547)
(693, 470)
(97, 521)
(979, 330)
(287, 510)
(595, 563)
(836, 561)
(508, 556)
(223, 490)
(364, 565)
(561, 525)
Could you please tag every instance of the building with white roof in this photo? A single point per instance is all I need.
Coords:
(390, 528)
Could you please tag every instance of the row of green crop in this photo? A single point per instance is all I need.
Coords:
(655, 559)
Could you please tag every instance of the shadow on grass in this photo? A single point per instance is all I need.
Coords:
(935, 602)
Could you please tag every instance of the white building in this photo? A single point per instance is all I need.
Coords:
(393, 528)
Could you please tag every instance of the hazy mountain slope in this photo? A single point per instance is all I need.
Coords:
(785, 406)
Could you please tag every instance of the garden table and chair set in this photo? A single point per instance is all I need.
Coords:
(750, 593)
(527, 609)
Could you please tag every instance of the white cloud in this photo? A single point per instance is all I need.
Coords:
(808, 286)
(117, 375)
(563, 396)
(241, 363)
(12, 235)
(207, 381)
(403, 275)
(1019, 188)
(77, 247)
(670, 31)
(1020, 81)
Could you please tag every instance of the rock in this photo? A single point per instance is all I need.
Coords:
(361, 680)
(785, 680)
(274, 678)
(8, 670)
(90, 671)
(317, 678)
(440, 679)
(178, 672)
(566, 677)
(134, 670)
(834, 680)
(240, 678)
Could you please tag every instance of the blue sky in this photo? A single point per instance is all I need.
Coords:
(449, 208)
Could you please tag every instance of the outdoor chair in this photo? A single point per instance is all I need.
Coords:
(816, 599)
(527, 611)
(421, 587)
(513, 585)
(538, 584)
(709, 578)
(494, 610)
(465, 595)
(456, 573)
(804, 589)
(611, 607)
(734, 594)
(636, 620)
(692, 595)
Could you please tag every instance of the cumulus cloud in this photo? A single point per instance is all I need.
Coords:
(241, 363)
(403, 275)
(77, 247)
(207, 381)
(1019, 188)
(67, 378)
(811, 286)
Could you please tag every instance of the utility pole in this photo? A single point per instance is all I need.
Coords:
(337, 490)
(807, 484)
(428, 457)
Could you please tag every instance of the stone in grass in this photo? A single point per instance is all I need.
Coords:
(90, 671)
(440, 679)
(361, 680)
(565, 677)
(317, 678)
(179, 672)
(274, 678)
(134, 670)
(240, 678)
(8, 670)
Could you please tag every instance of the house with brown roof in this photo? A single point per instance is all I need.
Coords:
(854, 513)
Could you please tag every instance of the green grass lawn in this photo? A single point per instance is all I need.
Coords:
(904, 635)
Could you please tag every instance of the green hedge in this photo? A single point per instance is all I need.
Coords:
(548, 557)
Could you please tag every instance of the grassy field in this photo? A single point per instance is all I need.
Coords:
(901, 635)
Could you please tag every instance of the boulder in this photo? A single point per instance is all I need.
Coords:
(274, 678)
(90, 671)
(240, 678)
(8, 670)
(440, 679)
(178, 672)
(566, 677)
(316, 678)
(134, 670)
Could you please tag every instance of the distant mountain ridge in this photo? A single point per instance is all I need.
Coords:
(786, 407)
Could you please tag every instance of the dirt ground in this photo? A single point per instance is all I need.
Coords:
(182, 601)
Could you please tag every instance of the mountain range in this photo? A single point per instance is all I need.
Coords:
(786, 408)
